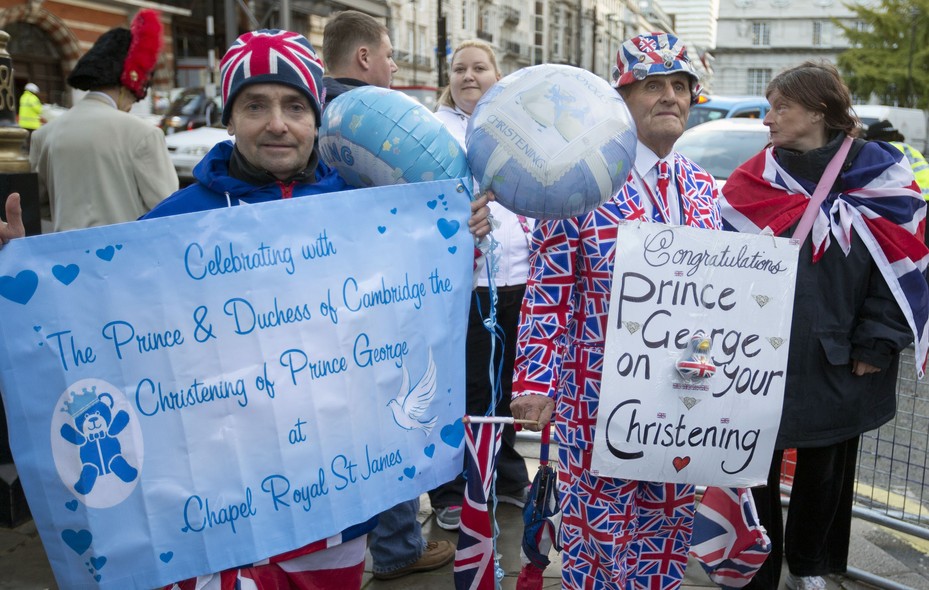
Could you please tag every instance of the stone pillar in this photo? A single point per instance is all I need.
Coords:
(14, 177)
(14, 166)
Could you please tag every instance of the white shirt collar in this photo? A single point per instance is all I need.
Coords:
(645, 159)
(103, 97)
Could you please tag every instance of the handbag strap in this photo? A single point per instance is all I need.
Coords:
(822, 189)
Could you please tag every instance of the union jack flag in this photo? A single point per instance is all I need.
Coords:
(885, 207)
(699, 368)
(646, 43)
(728, 540)
(474, 557)
(282, 56)
(329, 563)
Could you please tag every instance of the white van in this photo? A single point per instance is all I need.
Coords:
(910, 122)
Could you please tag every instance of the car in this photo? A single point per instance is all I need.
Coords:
(723, 145)
(711, 108)
(187, 148)
(191, 109)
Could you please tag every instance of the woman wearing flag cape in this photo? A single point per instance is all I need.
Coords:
(861, 299)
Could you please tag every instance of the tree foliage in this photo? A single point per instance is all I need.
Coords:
(889, 55)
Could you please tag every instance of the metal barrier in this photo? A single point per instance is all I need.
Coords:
(893, 461)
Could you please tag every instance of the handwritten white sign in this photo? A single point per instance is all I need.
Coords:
(696, 354)
(189, 394)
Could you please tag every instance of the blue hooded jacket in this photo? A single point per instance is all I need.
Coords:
(215, 188)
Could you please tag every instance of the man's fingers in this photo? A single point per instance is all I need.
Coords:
(14, 220)
(479, 202)
(545, 416)
(537, 408)
(479, 222)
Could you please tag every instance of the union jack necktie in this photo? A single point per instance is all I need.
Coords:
(662, 210)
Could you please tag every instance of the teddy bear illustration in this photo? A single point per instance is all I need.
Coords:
(95, 431)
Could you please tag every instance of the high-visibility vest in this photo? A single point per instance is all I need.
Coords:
(918, 164)
(30, 111)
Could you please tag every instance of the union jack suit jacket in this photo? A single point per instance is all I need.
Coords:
(564, 315)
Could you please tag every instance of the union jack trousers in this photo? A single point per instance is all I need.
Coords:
(619, 533)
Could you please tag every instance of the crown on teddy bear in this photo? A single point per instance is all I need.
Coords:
(80, 402)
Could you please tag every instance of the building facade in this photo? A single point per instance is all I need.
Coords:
(694, 21)
(48, 36)
(756, 39)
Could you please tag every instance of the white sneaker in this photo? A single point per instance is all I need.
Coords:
(805, 582)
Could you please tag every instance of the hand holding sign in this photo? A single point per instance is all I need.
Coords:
(13, 226)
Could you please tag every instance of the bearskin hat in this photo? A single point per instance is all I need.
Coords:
(122, 56)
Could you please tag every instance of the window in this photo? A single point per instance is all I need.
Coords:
(761, 34)
(568, 35)
(758, 79)
(557, 33)
(422, 48)
(538, 34)
(820, 33)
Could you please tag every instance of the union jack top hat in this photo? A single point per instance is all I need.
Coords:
(272, 56)
(653, 54)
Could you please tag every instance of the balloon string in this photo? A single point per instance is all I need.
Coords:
(497, 337)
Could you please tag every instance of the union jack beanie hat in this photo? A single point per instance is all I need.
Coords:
(653, 54)
(271, 56)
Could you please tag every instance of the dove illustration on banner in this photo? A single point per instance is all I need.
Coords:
(410, 405)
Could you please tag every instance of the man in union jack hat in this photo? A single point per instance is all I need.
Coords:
(273, 93)
(654, 54)
(617, 533)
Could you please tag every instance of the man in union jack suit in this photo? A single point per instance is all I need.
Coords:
(616, 533)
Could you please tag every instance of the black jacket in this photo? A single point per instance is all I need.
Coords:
(843, 310)
(336, 87)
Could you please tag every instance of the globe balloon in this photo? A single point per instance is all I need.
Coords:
(376, 136)
(551, 141)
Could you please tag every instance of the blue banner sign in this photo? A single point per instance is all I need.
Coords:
(189, 394)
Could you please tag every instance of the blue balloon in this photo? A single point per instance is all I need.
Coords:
(551, 141)
(376, 137)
